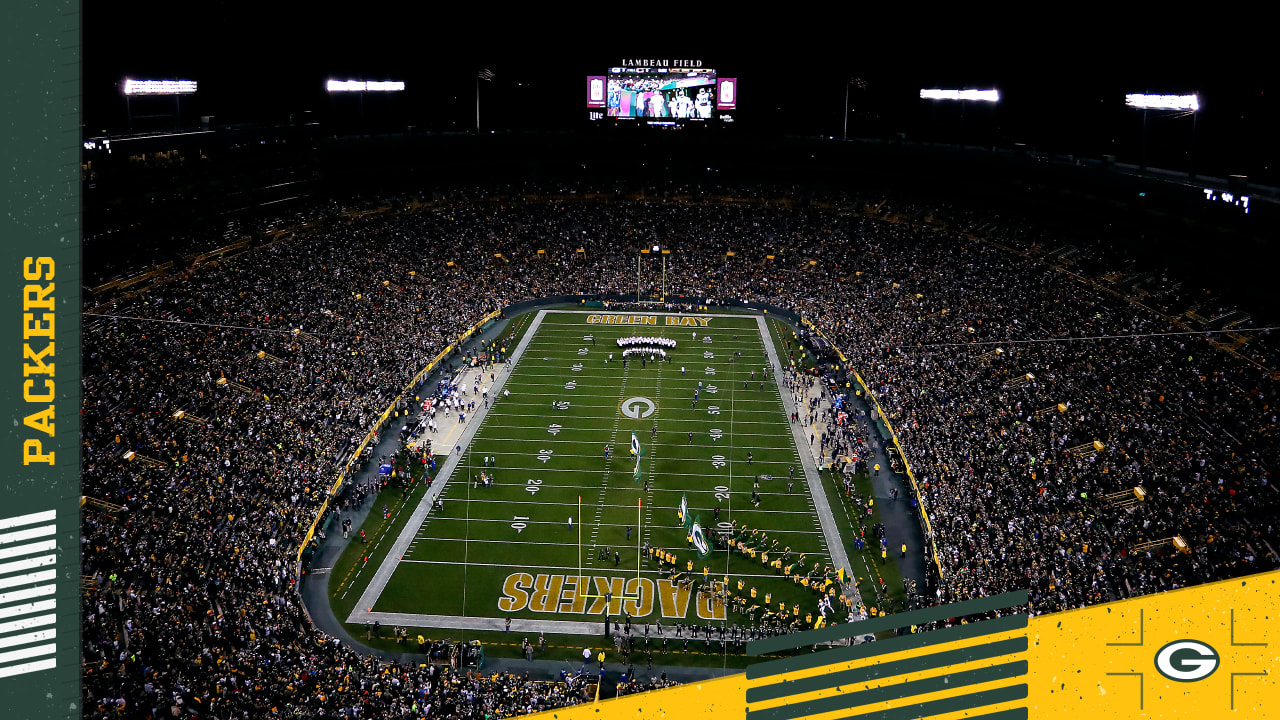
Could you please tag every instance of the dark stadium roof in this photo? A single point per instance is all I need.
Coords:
(1062, 79)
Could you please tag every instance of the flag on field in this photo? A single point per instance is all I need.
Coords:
(635, 446)
(684, 510)
(700, 542)
(635, 476)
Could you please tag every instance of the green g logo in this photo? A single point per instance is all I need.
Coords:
(1187, 660)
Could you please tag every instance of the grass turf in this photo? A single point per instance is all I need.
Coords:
(463, 556)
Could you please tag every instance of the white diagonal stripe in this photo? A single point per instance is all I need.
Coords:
(27, 534)
(45, 516)
(28, 578)
(27, 623)
(37, 636)
(28, 608)
(24, 594)
(27, 652)
(30, 667)
(27, 549)
(35, 562)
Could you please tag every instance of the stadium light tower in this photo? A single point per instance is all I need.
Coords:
(487, 75)
(176, 88)
(964, 96)
(362, 87)
(862, 85)
(1182, 105)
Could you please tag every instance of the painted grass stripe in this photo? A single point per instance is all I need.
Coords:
(886, 647)
(882, 670)
(901, 690)
(889, 622)
(955, 704)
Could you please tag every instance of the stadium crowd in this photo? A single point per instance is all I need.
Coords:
(282, 358)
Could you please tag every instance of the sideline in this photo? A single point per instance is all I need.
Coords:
(363, 609)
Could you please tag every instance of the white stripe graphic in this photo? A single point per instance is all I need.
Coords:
(27, 579)
(37, 636)
(27, 609)
(47, 664)
(35, 562)
(31, 519)
(28, 549)
(26, 534)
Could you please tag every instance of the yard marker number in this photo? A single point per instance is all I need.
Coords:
(722, 493)
(533, 486)
(710, 370)
(577, 367)
(716, 433)
(717, 461)
(582, 351)
(712, 389)
(544, 455)
(554, 428)
(571, 385)
(713, 409)
(709, 355)
(518, 526)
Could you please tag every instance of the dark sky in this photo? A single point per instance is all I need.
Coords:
(1062, 78)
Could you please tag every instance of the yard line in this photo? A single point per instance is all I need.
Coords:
(651, 507)
(663, 473)
(440, 519)
(579, 442)
(670, 420)
(785, 446)
(663, 573)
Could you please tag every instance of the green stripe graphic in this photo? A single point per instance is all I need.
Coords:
(955, 704)
(883, 670)
(885, 647)
(895, 692)
(888, 622)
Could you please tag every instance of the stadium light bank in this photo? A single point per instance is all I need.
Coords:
(364, 86)
(159, 87)
(1143, 101)
(978, 95)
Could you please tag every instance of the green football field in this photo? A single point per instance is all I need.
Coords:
(509, 551)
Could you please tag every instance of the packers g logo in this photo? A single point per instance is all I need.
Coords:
(699, 539)
(1187, 660)
(637, 407)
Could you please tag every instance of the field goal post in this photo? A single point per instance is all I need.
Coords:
(655, 250)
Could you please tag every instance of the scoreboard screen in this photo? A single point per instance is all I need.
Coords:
(662, 95)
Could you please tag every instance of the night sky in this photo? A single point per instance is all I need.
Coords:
(1062, 79)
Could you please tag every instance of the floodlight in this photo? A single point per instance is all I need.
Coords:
(159, 87)
(362, 86)
(1162, 102)
(980, 95)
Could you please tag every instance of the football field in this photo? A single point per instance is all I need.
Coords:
(556, 542)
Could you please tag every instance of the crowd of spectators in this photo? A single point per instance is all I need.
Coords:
(282, 358)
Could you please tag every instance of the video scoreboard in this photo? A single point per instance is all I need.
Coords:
(662, 92)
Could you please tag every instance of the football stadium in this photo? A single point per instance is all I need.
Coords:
(440, 377)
